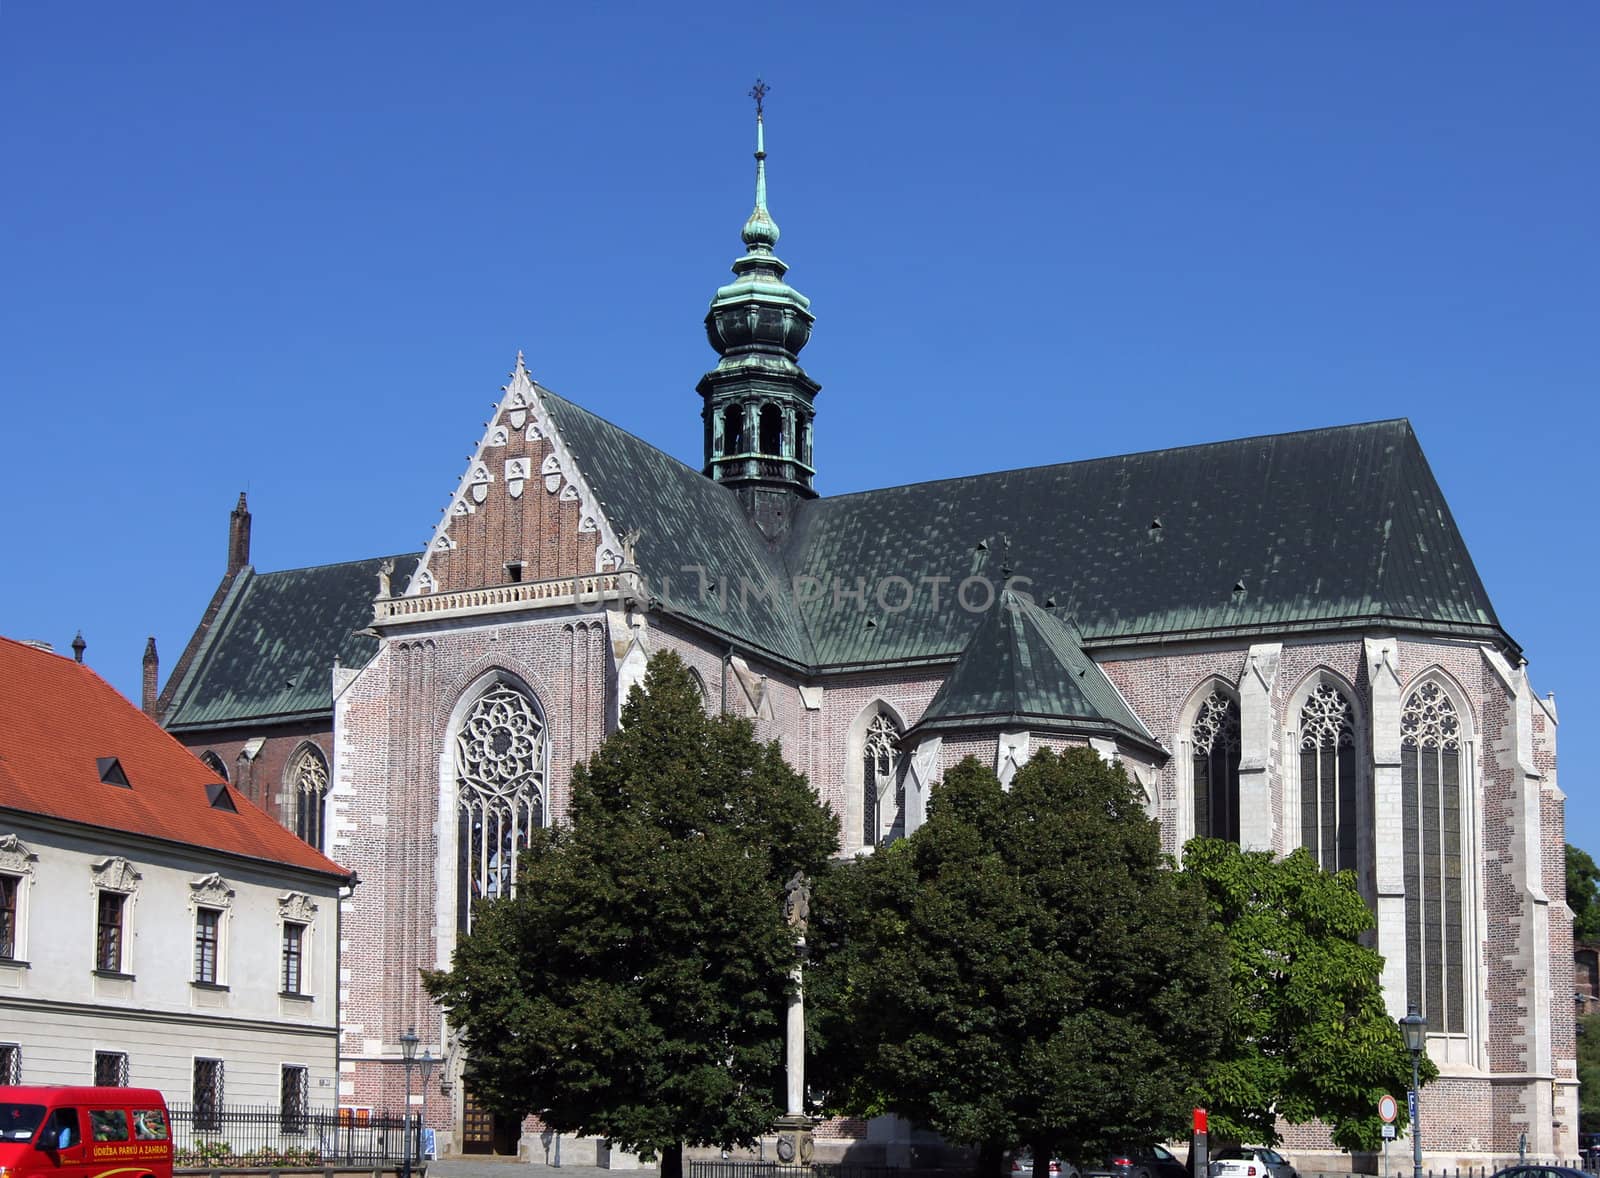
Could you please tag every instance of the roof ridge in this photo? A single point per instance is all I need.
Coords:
(1221, 442)
(335, 564)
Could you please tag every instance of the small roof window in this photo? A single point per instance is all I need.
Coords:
(217, 794)
(111, 773)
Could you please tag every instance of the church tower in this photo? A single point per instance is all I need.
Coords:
(758, 400)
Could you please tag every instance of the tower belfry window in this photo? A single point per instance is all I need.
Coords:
(771, 430)
(733, 430)
(500, 753)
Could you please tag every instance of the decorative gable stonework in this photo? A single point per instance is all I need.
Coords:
(523, 511)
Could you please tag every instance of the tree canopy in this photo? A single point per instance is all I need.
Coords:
(1025, 968)
(1583, 894)
(635, 986)
(1309, 1037)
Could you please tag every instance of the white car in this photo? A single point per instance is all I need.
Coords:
(1250, 1161)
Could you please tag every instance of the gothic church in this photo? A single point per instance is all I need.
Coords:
(1283, 639)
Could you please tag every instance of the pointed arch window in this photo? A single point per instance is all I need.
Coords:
(308, 793)
(214, 763)
(1430, 793)
(1328, 822)
(499, 753)
(882, 788)
(1215, 743)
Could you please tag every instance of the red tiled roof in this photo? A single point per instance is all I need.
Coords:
(58, 718)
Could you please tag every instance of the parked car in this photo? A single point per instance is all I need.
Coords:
(1250, 1161)
(1139, 1162)
(1022, 1166)
(1530, 1171)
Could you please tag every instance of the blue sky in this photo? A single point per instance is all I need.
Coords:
(294, 249)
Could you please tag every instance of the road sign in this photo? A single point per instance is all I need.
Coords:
(1411, 1105)
(1387, 1108)
(1388, 1132)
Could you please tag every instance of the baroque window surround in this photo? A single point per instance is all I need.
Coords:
(211, 893)
(116, 876)
(296, 908)
(16, 862)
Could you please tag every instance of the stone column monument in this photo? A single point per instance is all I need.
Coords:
(794, 1127)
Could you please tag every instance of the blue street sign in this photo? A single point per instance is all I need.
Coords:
(1411, 1104)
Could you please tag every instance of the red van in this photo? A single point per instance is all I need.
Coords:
(84, 1133)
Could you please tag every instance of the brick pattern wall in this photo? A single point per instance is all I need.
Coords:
(262, 779)
(388, 807)
(539, 527)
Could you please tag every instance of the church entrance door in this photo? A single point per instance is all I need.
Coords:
(483, 1132)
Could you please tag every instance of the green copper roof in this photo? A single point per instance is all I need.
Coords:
(1330, 528)
(1023, 668)
(1326, 527)
(686, 523)
(269, 654)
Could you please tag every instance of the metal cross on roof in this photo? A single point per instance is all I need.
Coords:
(759, 92)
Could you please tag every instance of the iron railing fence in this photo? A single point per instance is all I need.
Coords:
(716, 1168)
(263, 1135)
(763, 1169)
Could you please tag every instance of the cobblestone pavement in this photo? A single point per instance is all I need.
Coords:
(507, 1167)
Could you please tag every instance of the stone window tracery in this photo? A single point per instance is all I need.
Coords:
(1431, 787)
(1328, 779)
(882, 788)
(1215, 742)
(308, 793)
(500, 751)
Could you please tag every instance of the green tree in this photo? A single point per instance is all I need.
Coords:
(635, 986)
(1025, 968)
(1589, 1073)
(1583, 894)
(1309, 1036)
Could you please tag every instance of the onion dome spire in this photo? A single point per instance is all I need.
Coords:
(758, 400)
(760, 231)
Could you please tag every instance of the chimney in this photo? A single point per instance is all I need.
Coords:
(78, 647)
(152, 672)
(238, 537)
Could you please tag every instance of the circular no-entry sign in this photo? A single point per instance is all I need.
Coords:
(1387, 1109)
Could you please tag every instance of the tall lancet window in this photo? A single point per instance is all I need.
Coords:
(1215, 743)
(1430, 792)
(882, 792)
(499, 794)
(1328, 779)
(308, 793)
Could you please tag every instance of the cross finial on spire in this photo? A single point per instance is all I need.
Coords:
(759, 92)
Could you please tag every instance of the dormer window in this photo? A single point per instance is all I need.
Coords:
(111, 773)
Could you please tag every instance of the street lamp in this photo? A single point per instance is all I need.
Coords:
(1415, 1029)
(426, 1064)
(408, 1050)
